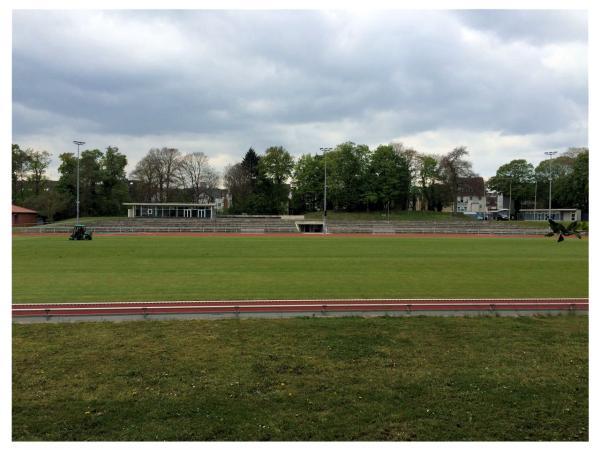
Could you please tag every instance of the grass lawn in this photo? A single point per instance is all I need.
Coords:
(485, 378)
(51, 268)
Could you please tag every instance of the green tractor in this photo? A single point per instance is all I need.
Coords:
(80, 234)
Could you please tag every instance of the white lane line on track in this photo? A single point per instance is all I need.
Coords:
(303, 305)
(269, 301)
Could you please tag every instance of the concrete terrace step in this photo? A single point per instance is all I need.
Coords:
(261, 225)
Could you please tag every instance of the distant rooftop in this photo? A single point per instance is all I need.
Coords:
(20, 209)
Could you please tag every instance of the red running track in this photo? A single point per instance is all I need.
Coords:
(491, 305)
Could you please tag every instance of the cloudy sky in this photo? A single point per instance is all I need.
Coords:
(505, 84)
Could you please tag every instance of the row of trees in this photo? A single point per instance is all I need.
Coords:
(529, 186)
(166, 174)
(28, 173)
(395, 177)
(358, 179)
(162, 175)
(258, 184)
(102, 185)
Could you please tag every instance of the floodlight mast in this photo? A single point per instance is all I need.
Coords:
(325, 150)
(78, 143)
(509, 197)
(535, 201)
(551, 154)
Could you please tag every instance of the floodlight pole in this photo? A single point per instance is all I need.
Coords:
(551, 154)
(78, 143)
(509, 197)
(325, 150)
(535, 201)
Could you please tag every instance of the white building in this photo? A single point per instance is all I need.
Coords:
(470, 196)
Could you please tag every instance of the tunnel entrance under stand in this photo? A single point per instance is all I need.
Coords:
(310, 227)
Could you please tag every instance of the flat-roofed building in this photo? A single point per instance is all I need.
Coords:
(167, 210)
(558, 214)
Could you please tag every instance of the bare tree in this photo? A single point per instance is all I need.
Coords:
(159, 171)
(453, 167)
(196, 174)
(169, 161)
(146, 174)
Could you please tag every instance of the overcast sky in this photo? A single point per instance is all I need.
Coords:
(505, 84)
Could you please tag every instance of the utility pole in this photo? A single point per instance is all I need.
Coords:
(509, 197)
(535, 201)
(325, 150)
(78, 143)
(551, 154)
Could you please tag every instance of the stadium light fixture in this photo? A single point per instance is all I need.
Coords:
(551, 154)
(325, 150)
(78, 143)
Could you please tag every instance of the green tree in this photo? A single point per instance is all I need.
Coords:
(50, 203)
(67, 182)
(516, 179)
(275, 168)
(428, 176)
(276, 164)
(241, 181)
(90, 181)
(239, 184)
(347, 176)
(560, 170)
(308, 184)
(114, 188)
(250, 164)
(103, 185)
(38, 163)
(579, 184)
(409, 190)
(571, 190)
(388, 178)
(20, 169)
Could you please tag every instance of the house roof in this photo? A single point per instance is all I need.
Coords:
(471, 186)
(20, 209)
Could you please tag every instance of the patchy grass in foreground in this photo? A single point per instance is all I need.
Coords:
(485, 378)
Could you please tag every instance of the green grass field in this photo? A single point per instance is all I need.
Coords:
(421, 378)
(486, 378)
(54, 269)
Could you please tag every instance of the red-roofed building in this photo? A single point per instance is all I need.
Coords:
(23, 217)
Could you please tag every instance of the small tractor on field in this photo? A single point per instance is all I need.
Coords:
(80, 234)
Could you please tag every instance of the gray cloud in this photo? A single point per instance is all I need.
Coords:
(231, 79)
(534, 26)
